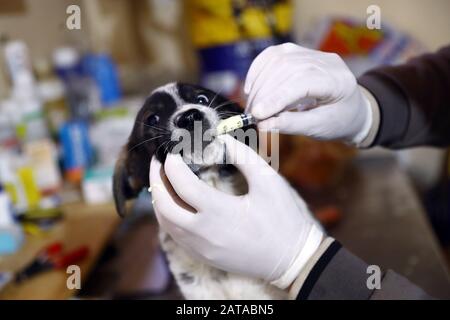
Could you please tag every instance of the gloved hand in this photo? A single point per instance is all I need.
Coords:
(288, 76)
(268, 233)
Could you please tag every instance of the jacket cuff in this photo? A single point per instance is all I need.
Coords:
(393, 108)
(301, 278)
(337, 275)
(375, 115)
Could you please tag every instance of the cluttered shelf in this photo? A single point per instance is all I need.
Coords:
(81, 226)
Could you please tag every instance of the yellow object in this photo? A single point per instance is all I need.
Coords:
(43, 160)
(12, 192)
(40, 213)
(21, 131)
(33, 229)
(32, 194)
(214, 22)
(235, 122)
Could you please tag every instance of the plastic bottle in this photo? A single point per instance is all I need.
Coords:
(52, 93)
(82, 93)
(27, 106)
(32, 125)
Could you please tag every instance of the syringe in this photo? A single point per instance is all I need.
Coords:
(235, 122)
(246, 119)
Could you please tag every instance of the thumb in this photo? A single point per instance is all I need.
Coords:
(164, 201)
(186, 184)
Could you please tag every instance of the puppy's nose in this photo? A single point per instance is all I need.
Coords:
(186, 119)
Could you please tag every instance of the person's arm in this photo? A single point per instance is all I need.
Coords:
(334, 273)
(413, 100)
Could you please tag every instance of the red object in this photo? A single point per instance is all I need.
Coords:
(52, 249)
(348, 38)
(52, 257)
(71, 257)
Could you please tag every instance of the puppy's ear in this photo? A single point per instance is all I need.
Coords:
(131, 175)
(132, 167)
(122, 189)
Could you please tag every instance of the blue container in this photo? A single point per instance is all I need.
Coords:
(76, 147)
(102, 70)
(11, 235)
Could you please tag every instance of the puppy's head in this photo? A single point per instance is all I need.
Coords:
(167, 115)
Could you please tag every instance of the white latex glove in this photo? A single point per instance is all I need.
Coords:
(268, 233)
(289, 76)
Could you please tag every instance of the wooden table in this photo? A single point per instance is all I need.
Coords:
(385, 224)
(82, 225)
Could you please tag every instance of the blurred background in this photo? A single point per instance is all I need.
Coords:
(73, 75)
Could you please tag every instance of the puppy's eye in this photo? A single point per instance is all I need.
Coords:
(152, 120)
(202, 99)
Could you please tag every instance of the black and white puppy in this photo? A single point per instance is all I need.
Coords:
(173, 107)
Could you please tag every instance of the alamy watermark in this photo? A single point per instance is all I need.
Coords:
(205, 147)
(373, 20)
(374, 280)
(73, 281)
(73, 20)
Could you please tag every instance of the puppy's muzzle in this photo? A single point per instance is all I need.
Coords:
(187, 119)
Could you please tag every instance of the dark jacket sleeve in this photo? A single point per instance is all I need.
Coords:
(414, 101)
(339, 275)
